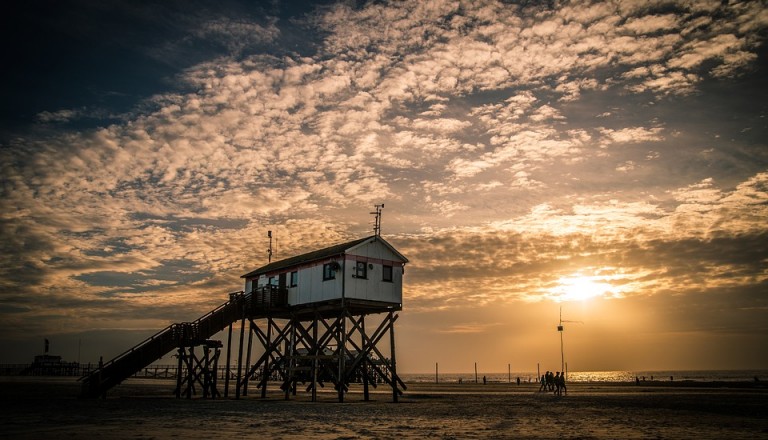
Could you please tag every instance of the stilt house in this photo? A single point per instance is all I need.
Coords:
(309, 314)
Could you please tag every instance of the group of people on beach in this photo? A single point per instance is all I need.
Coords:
(553, 382)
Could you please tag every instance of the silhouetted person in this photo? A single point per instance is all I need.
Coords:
(484, 380)
(543, 383)
(518, 381)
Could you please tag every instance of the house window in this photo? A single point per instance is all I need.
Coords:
(387, 273)
(361, 270)
(294, 278)
(272, 281)
(329, 271)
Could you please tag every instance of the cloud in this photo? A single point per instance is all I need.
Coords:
(477, 121)
(630, 135)
(474, 327)
(65, 115)
(237, 35)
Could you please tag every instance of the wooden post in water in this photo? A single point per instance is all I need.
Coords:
(475, 372)
(509, 373)
(436, 376)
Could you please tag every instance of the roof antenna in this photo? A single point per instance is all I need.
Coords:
(377, 221)
(269, 251)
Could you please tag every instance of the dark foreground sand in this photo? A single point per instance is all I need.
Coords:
(38, 408)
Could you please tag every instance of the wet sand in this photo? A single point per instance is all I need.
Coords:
(33, 408)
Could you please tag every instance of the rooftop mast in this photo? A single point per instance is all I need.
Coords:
(377, 221)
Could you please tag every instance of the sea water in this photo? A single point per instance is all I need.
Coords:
(598, 376)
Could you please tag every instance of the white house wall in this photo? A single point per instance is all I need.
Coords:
(312, 289)
(373, 288)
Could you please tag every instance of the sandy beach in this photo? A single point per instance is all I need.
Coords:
(34, 408)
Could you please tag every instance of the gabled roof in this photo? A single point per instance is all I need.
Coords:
(321, 254)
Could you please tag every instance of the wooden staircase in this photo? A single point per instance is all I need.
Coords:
(156, 346)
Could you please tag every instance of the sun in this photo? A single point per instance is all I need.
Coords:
(579, 287)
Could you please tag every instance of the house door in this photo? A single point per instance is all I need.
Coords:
(282, 281)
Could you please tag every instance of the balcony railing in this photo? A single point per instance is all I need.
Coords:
(269, 296)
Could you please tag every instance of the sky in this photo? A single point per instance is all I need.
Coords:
(605, 160)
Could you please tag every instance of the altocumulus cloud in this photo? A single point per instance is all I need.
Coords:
(513, 144)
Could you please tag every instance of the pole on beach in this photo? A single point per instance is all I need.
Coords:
(509, 373)
(560, 329)
(538, 371)
(436, 376)
(475, 372)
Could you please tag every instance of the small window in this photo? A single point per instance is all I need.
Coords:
(294, 278)
(272, 281)
(387, 273)
(329, 271)
(361, 270)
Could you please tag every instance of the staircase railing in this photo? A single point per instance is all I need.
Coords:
(156, 346)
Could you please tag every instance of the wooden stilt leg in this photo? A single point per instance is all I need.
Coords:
(240, 359)
(214, 373)
(289, 368)
(316, 353)
(190, 372)
(178, 372)
(265, 373)
(247, 368)
(227, 370)
(206, 371)
(392, 356)
(342, 346)
(364, 363)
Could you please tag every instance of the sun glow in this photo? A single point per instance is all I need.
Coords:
(578, 287)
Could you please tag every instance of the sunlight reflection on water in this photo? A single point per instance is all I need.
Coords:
(598, 376)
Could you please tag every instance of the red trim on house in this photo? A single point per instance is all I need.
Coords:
(374, 260)
(329, 260)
